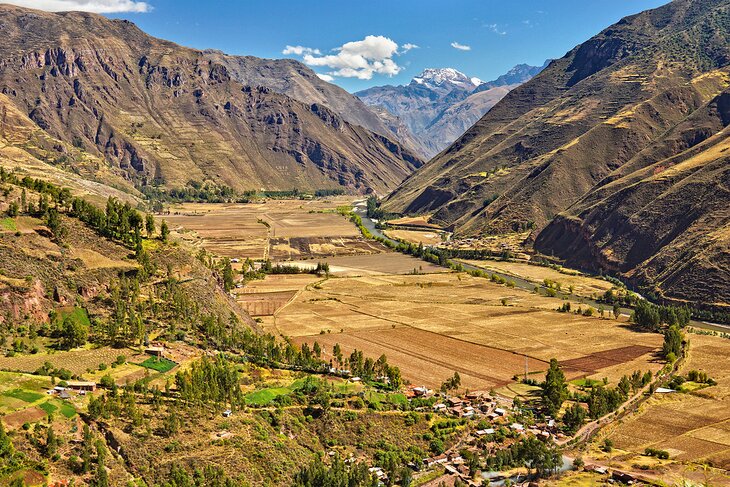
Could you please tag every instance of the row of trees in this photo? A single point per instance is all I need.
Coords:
(207, 381)
(529, 452)
(338, 474)
(651, 316)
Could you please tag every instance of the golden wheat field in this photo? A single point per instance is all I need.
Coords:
(456, 314)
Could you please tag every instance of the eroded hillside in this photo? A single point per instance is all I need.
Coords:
(161, 114)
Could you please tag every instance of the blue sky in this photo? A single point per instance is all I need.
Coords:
(498, 34)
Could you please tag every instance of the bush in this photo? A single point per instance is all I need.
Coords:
(107, 382)
(653, 452)
(607, 445)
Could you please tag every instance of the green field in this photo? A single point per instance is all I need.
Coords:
(78, 315)
(265, 396)
(48, 407)
(68, 410)
(159, 364)
(586, 383)
(25, 396)
(51, 406)
(8, 224)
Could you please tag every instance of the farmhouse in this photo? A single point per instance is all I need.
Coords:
(431, 461)
(82, 385)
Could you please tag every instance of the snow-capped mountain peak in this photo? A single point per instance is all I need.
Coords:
(445, 77)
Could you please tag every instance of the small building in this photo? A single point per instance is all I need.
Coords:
(355, 379)
(664, 390)
(82, 385)
(155, 351)
(421, 391)
(517, 427)
(227, 413)
(64, 395)
(454, 401)
(485, 432)
(430, 462)
(440, 407)
(500, 412)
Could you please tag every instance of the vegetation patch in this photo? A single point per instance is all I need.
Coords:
(48, 407)
(25, 396)
(8, 224)
(263, 397)
(159, 364)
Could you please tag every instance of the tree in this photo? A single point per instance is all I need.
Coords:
(101, 478)
(164, 231)
(53, 222)
(149, 225)
(616, 310)
(646, 315)
(73, 333)
(6, 446)
(406, 477)
(672, 342)
(51, 443)
(13, 209)
(86, 449)
(555, 390)
(573, 418)
(227, 275)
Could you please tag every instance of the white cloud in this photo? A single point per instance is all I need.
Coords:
(408, 46)
(325, 77)
(300, 50)
(360, 59)
(96, 6)
(461, 47)
(496, 29)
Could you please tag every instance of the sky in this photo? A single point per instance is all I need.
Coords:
(357, 44)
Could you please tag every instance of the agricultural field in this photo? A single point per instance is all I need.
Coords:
(76, 361)
(276, 229)
(24, 398)
(430, 325)
(582, 285)
(414, 221)
(265, 297)
(378, 264)
(415, 236)
(692, 427)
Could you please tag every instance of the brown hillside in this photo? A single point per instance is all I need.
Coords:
(551, 140)
(165, 114)
(625, 134)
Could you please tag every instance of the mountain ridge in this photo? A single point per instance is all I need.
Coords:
(440, 104)
(608, 110)
(163, 114)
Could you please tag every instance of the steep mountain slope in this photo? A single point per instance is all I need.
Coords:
(440, 104)
(164, 114)
(602, 118)
(295, 80)
(662, 219)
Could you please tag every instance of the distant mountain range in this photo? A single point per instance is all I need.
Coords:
(439, 105)
(616, 157)
(118, 105)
